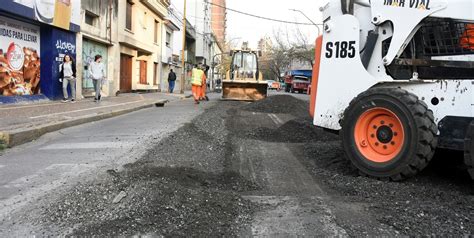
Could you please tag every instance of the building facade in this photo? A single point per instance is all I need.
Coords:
(140, 25)
(265, 45)
(189, 51)
(139, 41)
(200, 10)
(98, 36)
(169, 60)
(33, 41)
(219, 21)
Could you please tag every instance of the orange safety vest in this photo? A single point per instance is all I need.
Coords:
(467, 38)
(197, 77)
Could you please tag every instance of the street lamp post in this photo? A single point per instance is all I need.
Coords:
(316, 25)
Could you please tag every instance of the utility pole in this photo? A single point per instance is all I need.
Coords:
(183, 62)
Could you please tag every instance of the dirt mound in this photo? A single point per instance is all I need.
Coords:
(279, 104)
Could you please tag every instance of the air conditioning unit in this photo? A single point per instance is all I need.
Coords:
(170, 60)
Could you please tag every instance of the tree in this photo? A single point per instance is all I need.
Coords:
(302, 49)
(285, 54)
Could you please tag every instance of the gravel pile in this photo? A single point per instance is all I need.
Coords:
(157, 201)
(300, 130)
(439, 201)
(179, 187)
(186, 184)
(280, 104)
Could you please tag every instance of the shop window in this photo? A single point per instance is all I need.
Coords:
(91, 18)
(128, 17)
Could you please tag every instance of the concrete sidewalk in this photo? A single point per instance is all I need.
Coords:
(24, 123)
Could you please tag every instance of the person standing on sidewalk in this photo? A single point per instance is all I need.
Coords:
(97, 74)
(196, 82)
(67, 76)
(171, 80)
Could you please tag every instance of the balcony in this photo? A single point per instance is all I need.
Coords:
(159, 7)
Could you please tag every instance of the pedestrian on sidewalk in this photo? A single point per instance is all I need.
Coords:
(196, 82)
(171, 80)
(67, 76)
(97, 74)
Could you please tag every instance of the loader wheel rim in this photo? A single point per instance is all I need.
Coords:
(379, 135)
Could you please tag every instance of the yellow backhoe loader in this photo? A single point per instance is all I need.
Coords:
(244, 81)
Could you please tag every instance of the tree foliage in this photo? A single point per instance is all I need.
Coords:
(286, 54)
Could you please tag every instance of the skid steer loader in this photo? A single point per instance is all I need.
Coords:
(395, 78)
(244, 81)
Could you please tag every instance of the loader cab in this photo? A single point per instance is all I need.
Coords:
(244, 65)
(244, 81)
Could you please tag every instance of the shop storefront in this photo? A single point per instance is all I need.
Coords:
(20, 51)
(34, 37)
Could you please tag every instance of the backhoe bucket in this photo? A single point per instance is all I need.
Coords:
(244, 90)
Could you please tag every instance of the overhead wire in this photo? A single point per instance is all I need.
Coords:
(247, 14)
(260, 17)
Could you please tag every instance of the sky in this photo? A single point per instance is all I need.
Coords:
(250, 29)
(245, 28)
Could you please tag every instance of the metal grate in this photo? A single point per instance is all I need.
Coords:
(438, 37)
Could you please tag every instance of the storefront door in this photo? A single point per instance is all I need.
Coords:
(125, 73)
(143, 71)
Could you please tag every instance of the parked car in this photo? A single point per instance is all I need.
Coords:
(272, 84)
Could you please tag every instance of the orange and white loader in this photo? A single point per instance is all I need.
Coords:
(395, 79)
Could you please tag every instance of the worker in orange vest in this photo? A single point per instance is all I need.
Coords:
(196, 82)
(467, 39)
(203, 96)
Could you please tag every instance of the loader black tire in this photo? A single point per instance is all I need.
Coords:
(469, 150)
(417, 139)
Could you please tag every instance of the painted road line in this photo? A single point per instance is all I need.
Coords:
(87, 109)
(87, 145)
(62, 174)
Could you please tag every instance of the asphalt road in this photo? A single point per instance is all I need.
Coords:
(30, 171)
(218, 169)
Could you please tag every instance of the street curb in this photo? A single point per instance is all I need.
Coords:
(21, 136)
